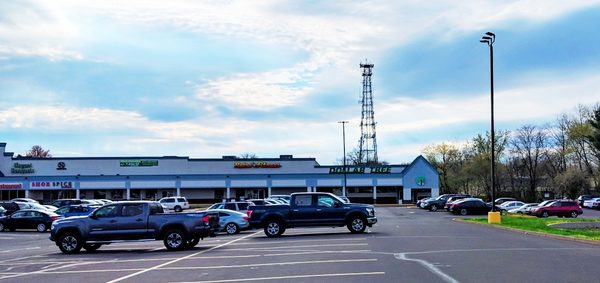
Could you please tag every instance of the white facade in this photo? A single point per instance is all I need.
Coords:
(207, 180)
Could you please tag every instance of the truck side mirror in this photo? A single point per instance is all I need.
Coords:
(337, 204)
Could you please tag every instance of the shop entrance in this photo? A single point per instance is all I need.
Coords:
(417, 194)
(255, 193)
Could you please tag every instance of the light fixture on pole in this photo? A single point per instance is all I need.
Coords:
(490, 39)
(344, 142)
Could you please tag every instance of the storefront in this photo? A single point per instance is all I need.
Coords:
(209, 180)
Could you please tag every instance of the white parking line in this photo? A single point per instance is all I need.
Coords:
(179, 259)
(447, 278)
(317, 252)
(291, 277)
(203, 267)
(294, 247)
(296, 241)
(21, 249)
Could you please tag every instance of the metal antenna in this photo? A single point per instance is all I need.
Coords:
(368, 142)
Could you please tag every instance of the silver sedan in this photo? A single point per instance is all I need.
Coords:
(231, 221)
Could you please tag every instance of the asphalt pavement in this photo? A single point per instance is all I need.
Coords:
(407, 245)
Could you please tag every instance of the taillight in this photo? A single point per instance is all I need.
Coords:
(206, 219)
(249, 212)
(245, 217)
(54, 218)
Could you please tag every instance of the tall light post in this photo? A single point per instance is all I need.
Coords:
(344, 141)
(489, 38)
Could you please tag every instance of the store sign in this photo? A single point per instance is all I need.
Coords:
(261, 164)
(361, 170)
(138, 163)
(61, 166)
(420, 181)
(11, 186)
(51, 185)
(22, 168)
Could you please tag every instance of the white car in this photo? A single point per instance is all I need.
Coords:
(592, 203)
(510, 205)
(524, 209)
(174, 203)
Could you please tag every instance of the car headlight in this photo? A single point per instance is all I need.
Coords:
(371, 211)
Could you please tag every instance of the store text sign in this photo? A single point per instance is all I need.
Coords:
(361, 170)
(22, 168)
(138, 163)
(9, 186)
(51, 185)
(261, 164)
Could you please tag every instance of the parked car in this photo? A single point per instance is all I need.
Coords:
(592, 203)
(40, 220)
(92, 202)
(26, 205)
(453, 199)
(523, 209)
(63, 202)
(508, 205)
(39, 207)
(25, 200)
(232, 222)
(470, 206)
(177, 204)
(75, 210)
(241, 206)
(286, 198)
(500, 201)
(257, 201)
(582, 198)
(10, 207)
(50, 207)
(310, 210)
(421, 203)
(133, 220)
(439, 202)
(561, 208)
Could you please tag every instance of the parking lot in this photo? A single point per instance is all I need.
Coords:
(407, 245)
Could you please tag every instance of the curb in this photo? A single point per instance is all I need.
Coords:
(539, 234)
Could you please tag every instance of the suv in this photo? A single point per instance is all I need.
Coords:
(566, 208)
(241, 206)
(174, 203)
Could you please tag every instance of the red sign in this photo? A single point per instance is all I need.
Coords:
(261, 164)
(11, 186)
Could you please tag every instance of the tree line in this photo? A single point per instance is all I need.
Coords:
(558, 159)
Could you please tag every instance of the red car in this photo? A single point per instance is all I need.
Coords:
(560, 208)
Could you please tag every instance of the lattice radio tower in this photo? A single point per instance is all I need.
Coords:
(368, 142)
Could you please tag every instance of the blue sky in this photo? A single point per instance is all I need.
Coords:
(206, 78)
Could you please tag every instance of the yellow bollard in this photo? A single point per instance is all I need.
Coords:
(494, 217)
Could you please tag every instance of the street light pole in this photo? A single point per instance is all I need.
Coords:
(489, 39)
(344, 141)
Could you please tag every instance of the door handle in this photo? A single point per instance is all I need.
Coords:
(113, 221)
(319, 210)
(295, 210)
(139, 220)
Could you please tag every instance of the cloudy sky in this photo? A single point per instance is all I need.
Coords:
(212, 78)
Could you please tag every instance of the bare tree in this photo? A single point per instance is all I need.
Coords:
(248, 155)
(37, 151)
(529, 146)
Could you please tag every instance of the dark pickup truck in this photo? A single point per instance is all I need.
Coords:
(132, 220)
(311, 209)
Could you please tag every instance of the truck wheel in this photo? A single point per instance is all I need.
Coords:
(174, 240)
(91, 247)
(177, 208)
(41, 227)
(433, 207)
(273, 228)
(232, 228)
(357, 225)
(464, 211)
(69, 243)
(192, 243)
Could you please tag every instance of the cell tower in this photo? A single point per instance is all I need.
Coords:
(368, 142)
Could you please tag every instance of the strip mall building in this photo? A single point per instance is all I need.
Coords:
(208, 180)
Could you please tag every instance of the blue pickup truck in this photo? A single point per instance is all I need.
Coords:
(132, 220)
(311, 209)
